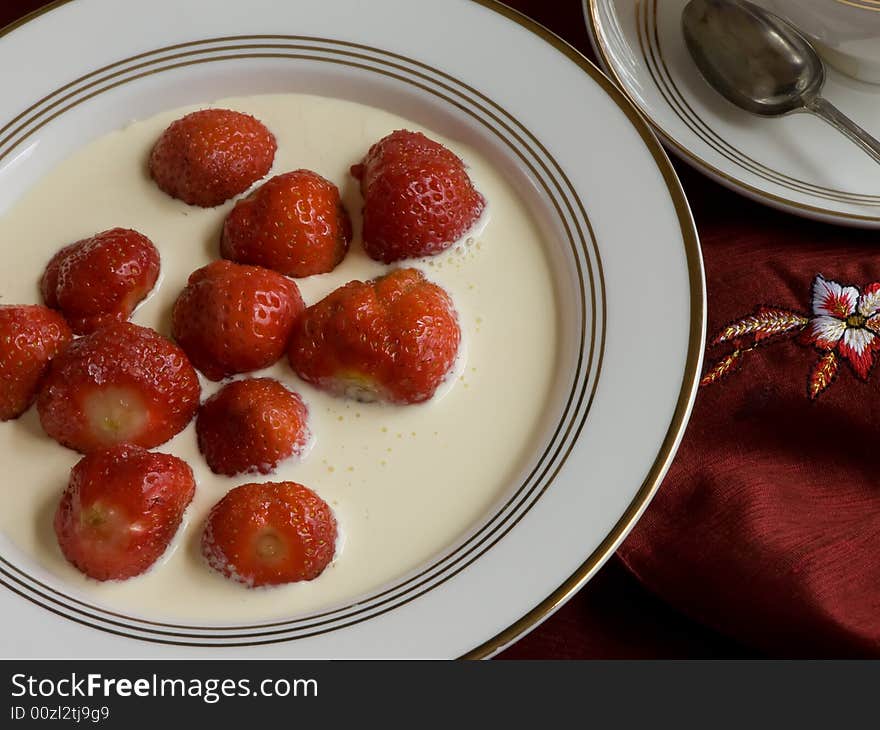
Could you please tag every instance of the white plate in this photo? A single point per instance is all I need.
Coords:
(619, 234)
(797, 163)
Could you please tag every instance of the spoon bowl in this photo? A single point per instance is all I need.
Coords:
(757, 60)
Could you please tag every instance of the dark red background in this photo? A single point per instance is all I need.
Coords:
(613, 616)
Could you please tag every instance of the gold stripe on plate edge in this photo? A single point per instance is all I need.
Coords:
(591, 15)
(702, 129)
(872, 5)
(696, 334)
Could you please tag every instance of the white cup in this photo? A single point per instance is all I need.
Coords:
(846, 32)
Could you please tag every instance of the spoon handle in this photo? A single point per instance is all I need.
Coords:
(843, 123)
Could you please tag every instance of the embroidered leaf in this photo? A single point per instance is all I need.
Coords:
(823, 374)
(764, 323)
(722, 367)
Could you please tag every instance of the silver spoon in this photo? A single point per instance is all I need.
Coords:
(762, 63)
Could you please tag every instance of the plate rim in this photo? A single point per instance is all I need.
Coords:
(696, 330)
(732, 182)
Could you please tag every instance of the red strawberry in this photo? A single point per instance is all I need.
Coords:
(234, 319)
(212, 155)
(394, 338)
(418, 198)
(123, 383)
(121, 509)
(101, 279)
(251, 425)
(30, 336)
(295, 224)
(266, 534)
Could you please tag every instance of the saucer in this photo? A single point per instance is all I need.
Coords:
(797, 163)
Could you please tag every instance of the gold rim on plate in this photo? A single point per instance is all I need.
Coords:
(862, 4)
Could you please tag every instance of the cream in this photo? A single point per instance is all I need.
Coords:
(404, 482)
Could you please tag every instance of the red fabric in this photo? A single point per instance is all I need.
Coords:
(768, 524)
(763, 534)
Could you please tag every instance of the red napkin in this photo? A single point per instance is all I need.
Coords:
(767, 527)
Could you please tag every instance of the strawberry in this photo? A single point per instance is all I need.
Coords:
(122, 383)
(394, 338)
(232, 318)
(418, 198)
(30, 337)
(266, 534)
(101, 279)
(251, 425)
(295, 224)
(121, 509)
(212, 155)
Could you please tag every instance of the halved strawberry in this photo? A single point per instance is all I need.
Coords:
(294, 223)
(418, 197)
(250, 425)
(211, 155)
(101, 279)
(233, 319)
(272, 533)
(123, 383)
(394, 338)
(30, 337)
(121, 509)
